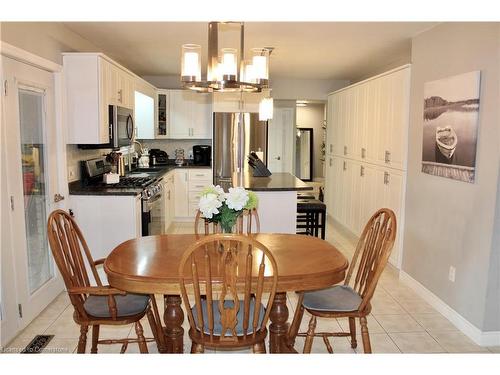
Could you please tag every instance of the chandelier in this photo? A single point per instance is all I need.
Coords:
(227, 69)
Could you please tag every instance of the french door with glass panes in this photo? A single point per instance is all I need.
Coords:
(31, 167)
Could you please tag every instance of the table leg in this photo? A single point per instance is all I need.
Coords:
(278, 329)
(174, 317)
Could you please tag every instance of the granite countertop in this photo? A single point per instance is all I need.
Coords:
(156, 171)
(275, 182)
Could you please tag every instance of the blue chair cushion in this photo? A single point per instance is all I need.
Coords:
(126, 305)
(335, 298)
(239, 317)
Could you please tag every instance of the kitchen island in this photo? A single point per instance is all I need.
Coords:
(277, 199)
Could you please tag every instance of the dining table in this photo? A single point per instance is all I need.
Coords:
(150, 265)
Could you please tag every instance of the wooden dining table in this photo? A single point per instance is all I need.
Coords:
(150, 265)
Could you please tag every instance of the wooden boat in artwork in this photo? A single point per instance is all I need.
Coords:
(446, 140)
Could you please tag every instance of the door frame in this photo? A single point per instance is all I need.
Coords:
(11, 324)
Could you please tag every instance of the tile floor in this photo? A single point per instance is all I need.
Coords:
(401, 322)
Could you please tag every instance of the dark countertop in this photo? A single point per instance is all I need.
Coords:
(77, 188)
(275, 182)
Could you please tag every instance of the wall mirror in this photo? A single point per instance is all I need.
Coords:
(304, 154)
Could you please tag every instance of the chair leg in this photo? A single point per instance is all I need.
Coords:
(154, 329)
(365, 336)
(82, 341)
(143, 347)
(162, 346)
(310, 335)
(352, 330)
(259, 348)
(95, 339)
(297, 319)
(197, 348)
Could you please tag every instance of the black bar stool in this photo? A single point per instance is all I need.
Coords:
(311, 217)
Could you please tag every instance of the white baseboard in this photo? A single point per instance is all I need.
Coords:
(491, 338)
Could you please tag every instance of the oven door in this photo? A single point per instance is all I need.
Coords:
(124, 126)
(153, 215)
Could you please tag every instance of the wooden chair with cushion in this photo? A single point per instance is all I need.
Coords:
(97, 305)
(226, 276)
(351, 300)
(248, 222)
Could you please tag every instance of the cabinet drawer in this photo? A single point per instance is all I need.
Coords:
(198, 185)
(194, 197)
(200, 174)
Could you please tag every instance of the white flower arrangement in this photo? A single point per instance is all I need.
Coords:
(224, 208)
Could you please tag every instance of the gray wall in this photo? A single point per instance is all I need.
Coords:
(45, 39)
(450, 222)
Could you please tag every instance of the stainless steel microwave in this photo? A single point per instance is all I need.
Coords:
(121, 129)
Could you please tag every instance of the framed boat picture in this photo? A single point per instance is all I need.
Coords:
(451, 113)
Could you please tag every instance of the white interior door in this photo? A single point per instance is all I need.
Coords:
(31, 168)
(281, 139)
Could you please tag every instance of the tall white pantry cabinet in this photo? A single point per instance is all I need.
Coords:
(366, 147)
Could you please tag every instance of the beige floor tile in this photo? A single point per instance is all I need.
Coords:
(36, 327)
(416, 342)
(398, 323)
(434, 322)
(457, 342)
(418, 306)
(373, 325)
(494, 349)
(115, 332)
(380, 343)
(18, 344)
(64, 328)
(339, 345)
(386, 306)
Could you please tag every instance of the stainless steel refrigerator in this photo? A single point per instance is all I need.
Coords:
(235, 135)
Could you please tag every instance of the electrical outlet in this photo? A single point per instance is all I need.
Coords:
(451, 274)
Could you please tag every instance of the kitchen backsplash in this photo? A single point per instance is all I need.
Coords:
(74, 154)
(170, 145)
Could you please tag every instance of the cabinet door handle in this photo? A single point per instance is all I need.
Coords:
(331, 148)
(185, 177)
(386, 178)
(330, 162)
(362, 171)
(345, 150)
(363, 153)
(387, 156)
(345, 166)
(120, 96)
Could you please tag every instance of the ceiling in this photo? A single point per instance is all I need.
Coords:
(313, 50)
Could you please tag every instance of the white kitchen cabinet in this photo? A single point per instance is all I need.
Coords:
(169, 198)
(107, 220)
(238, 102)
(189, 183)
(181, 193)
(92, 83)
(190, 115)
(145, 102)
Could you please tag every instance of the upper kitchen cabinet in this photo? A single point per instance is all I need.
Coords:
(145, 102)
(190, 115)
(162, 118)
(92, 83)
(368, 121)
(238, 102)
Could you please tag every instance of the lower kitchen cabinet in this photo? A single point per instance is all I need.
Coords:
(169, 198)
(354, 191)
(189, 183)
(107, 220)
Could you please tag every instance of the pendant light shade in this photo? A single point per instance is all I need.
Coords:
(227, 69)
(191, 63)
(266, 109)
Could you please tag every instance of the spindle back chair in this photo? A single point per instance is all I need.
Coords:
(248, 222)
(369, 260)
(73, 259)
(228, 276)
